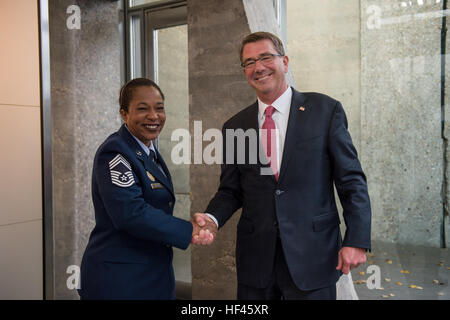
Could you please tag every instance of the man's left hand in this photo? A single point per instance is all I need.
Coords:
(349, 258)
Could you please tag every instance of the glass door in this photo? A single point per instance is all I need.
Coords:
(158, 50)
(167, 63)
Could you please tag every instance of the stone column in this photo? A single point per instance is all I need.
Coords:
(218, 90)
(85, 78)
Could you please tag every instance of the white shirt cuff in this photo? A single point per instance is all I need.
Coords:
(213, 219)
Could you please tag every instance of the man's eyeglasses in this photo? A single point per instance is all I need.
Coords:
(265, 59)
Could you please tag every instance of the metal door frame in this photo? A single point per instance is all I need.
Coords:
(164, 14)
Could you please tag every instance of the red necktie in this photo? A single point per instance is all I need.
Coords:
(269, 140)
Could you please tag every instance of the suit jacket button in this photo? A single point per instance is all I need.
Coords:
(278, 192)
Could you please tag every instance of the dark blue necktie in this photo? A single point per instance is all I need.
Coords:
(155, 160)
(152, 156)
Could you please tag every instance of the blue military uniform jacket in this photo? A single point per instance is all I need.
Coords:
(129, 253)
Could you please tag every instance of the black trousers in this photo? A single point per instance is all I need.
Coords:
(282, 287)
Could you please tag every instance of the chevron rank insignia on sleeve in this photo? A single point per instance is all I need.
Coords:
(121, 174)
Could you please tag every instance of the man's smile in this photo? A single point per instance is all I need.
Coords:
(263, 77)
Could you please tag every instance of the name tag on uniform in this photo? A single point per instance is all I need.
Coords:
(156, 185)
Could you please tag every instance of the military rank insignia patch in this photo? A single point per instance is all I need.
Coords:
(121, 174)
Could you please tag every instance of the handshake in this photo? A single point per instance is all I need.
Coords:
(204, 231)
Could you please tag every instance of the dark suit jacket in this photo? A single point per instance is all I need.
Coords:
(129, 253)
(301, 206)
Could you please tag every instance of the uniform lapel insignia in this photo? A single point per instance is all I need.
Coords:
(152, 178)
(139, 153)
(121, 173)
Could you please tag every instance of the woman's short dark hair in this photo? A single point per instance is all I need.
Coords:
(258, 36)
(126, 92)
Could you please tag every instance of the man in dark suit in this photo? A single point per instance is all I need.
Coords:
(289, 244)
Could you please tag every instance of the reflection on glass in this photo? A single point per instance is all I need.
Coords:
(171, 54)
(134, 3)
(280, 15)
(277, 7)
(135, 47)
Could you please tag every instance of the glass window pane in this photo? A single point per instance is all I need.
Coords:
(172, 76)
(387, 62)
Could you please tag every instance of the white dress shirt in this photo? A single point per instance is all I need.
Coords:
(141, 144)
